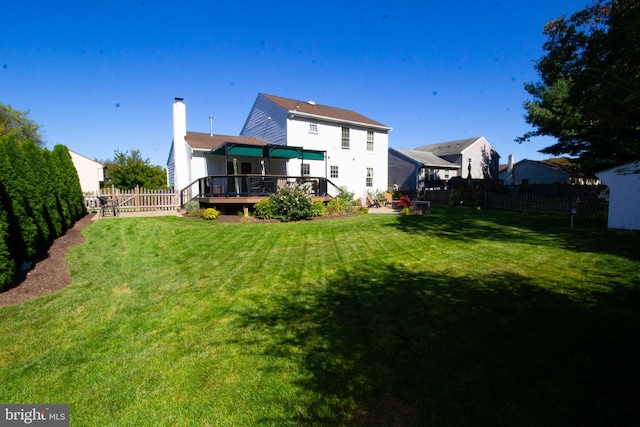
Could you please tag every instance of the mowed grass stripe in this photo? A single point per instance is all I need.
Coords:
(459, 317)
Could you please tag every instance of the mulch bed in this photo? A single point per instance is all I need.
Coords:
(50, 272)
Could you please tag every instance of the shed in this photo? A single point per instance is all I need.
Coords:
(624, 195)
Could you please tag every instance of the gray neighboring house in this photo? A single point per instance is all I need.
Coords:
(624, 195)
(534, 172)
(412, 170)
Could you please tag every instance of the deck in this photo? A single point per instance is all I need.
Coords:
(250, 189)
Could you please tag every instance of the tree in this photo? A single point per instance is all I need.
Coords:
(17, 123)
(589, 94)
(127, 171)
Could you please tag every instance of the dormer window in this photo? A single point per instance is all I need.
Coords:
(313, 128)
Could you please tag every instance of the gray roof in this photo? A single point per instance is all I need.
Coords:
(450, 147)
(426, 158)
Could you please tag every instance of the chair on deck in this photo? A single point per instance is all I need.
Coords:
(371, 202)
(106, 205)
(388, 200)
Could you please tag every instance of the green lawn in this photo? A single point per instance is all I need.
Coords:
(456, 318)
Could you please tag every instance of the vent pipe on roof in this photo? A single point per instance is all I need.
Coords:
(210, 125)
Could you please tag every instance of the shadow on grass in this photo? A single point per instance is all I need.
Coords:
(545, 230)
(390, 347)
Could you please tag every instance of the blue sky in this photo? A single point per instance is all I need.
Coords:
(102, 76)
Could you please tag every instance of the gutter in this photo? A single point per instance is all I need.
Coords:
(293, 114)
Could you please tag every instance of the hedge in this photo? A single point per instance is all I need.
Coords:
(40, 198)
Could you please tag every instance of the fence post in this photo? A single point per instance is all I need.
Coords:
(137, 198)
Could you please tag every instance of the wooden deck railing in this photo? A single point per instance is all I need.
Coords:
(254, 186)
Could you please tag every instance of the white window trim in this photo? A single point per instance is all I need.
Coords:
(346, 146)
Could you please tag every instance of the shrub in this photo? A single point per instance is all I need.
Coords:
(191, 205)
(404, 204)
(292, 204)
(362, 210)
(335, 206)
(318, 208)
(288, 204)
(195, 213)
(343, 202)
(266, 209)
(210, 214)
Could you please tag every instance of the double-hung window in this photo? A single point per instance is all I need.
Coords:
(369, 140)
(313, 128)
(345, 138)
(369, 177)
(305, 169)
(334, 172)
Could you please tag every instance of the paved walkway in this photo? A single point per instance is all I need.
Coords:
(384, 210)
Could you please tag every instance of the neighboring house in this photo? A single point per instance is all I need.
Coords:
(471, 157)
(90, 172)
(537, 172)
(412, 170)
(356, 146)
(624, 195)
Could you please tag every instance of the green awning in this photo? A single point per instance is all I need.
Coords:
(232, 149)
(313, 155)
(270, 151)
(282, 152)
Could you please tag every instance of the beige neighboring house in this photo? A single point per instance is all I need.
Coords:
(90, 172)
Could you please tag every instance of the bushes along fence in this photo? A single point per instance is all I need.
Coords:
(40, 198)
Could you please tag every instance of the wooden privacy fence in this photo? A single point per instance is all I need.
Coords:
(135, 200)
(588, 208)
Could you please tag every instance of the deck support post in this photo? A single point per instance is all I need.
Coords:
(245, 209)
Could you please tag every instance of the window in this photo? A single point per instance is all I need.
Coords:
(334, 172)
(369, 140)
(313, 128)
(446, 174)
(369, 177)
(305, 169)
(345, 138)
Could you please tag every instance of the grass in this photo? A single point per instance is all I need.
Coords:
(455, 318)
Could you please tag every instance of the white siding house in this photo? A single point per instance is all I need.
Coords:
(90, 172)
(189, 157)
(624, 195)
(356, 146)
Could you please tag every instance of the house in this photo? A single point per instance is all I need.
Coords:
(356, 146)
(90, 172)
(189, 157)
(411, 170)
(214, 168)
(535, 172)
(467, 158)
(624, 195)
